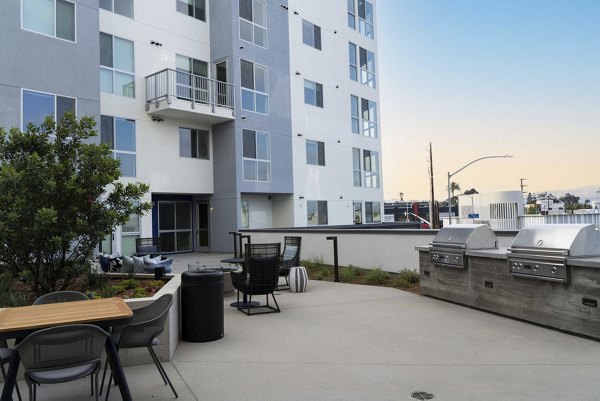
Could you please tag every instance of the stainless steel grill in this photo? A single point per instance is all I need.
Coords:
(449, 245)
(543, 251)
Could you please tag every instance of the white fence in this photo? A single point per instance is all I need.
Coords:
(391, 250)
(522, 221)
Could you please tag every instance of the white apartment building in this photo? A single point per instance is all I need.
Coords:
(237, 113)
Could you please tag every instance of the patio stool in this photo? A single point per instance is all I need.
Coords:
(298, 279)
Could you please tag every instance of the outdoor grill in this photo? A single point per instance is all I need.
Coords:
(449, 245)
(543, 251)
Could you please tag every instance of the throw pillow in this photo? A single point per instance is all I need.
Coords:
(138, 264)
(104, 263)
(151, 261)
(127, 265)
(115, 264)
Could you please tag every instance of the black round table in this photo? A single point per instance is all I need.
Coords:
(245, 303)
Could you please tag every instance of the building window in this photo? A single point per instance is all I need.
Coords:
(372, 212)
(351, 14)
(365, 18)
(315, 153)
(355, 114)
(367, 65)
(253, 21)
(193, 8)
(122, 7)
(357, 206)
(50, 17)
(191, 82)
(119, 135)
(357, 172)
(37, 106)
(129, 232)
(316, 213)
(257, 156)
(117, 65)
(175, 226)
(311, 34)
(194, 143)
(369, 118)
(255, 88)
(371, 166)
(313, 93)
(245, 223)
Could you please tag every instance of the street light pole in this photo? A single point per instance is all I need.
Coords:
(458, 171)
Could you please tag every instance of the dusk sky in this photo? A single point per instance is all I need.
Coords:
(489, 77)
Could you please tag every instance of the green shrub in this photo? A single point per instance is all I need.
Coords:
(140, 293)
(111, 291)
(349, 273)
(377, 276)
(8, 297)
(96, 279)
(129, 284)
(406, 278)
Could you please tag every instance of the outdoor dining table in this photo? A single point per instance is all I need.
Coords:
(21, 321)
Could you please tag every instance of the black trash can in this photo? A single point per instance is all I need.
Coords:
(201, 305)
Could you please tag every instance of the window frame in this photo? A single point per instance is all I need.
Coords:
(365, 27)
(253, 90)
(365, 76)
(175, 230)
(319, 148)
(318, 91)
(254, 24)
(370, 217)
(351, 14)
(371, 170)
(357, 219)
(315, 32)
(112, 9)
(197, 131)
(357, 172)
(369, 124)
(255, 159)
(178, 2)
(54, 112)
(321, 219)
(115, 70)
(54, 22)
(114, 149)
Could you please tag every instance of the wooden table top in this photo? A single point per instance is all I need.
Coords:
(48, 315)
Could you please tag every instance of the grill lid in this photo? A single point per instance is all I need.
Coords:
(578, 240)
(466, 236)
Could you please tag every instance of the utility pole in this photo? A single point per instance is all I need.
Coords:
(523, 194)
(435, 221)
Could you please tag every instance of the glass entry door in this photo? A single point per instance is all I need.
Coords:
(175, 226)
(202, 227)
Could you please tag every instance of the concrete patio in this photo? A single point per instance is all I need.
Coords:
(349, 342)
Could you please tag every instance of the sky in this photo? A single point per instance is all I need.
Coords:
(489, 77)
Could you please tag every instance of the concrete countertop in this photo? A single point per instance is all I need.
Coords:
(585, 262)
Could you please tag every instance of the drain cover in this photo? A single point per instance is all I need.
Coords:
(421, 395)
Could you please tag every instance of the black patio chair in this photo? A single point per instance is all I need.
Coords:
(259, 276)
(61, 296)
(6, 355)
(61, 354)
(147, 323)
(289, 258)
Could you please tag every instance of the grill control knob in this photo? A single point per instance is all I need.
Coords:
(553, 269)
(535, 268)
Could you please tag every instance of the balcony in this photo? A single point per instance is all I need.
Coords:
(184, 96)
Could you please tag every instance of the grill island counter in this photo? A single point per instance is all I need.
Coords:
(550, 275)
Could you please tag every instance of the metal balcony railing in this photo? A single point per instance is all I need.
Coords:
(194, 88)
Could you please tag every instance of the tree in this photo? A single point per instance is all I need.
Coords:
(571, 201)
(59, 196)
(454, 187)
(471, 191)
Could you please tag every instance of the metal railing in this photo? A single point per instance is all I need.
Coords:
(194, 88)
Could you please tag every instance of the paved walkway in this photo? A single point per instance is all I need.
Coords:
(357, 343)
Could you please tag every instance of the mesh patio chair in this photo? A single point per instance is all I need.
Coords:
(147, 323)
(6, 355)
(258, 277)
(61, 296)
(289, 258)
(61, 354)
